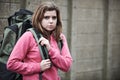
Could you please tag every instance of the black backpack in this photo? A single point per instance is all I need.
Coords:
(18, 23)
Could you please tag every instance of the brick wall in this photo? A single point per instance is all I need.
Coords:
(7, 7)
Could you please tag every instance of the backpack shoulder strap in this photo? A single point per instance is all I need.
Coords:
(60, 44)
(42, 49)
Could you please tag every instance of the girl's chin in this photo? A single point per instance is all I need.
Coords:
(50, 30)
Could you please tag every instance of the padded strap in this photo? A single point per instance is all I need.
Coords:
(37, 40)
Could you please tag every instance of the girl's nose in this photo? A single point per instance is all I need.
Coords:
(51, 20)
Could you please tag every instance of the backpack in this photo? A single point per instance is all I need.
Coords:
(18, 23)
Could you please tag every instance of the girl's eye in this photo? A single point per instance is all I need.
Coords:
(46, 17)
(54, 17)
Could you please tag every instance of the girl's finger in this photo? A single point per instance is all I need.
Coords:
(40, 39)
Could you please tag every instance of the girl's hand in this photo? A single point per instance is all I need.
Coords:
(43, 41)
(45, 64)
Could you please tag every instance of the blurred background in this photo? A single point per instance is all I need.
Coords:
(92, 31)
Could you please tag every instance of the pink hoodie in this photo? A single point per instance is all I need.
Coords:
(25, 58)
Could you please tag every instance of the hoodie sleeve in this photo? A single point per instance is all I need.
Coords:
(18, 55)
(61, 59)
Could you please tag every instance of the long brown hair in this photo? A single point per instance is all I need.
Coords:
(38, 16)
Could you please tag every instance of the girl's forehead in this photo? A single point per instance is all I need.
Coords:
(50, 12)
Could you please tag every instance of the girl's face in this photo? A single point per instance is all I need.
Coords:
(49, 20)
